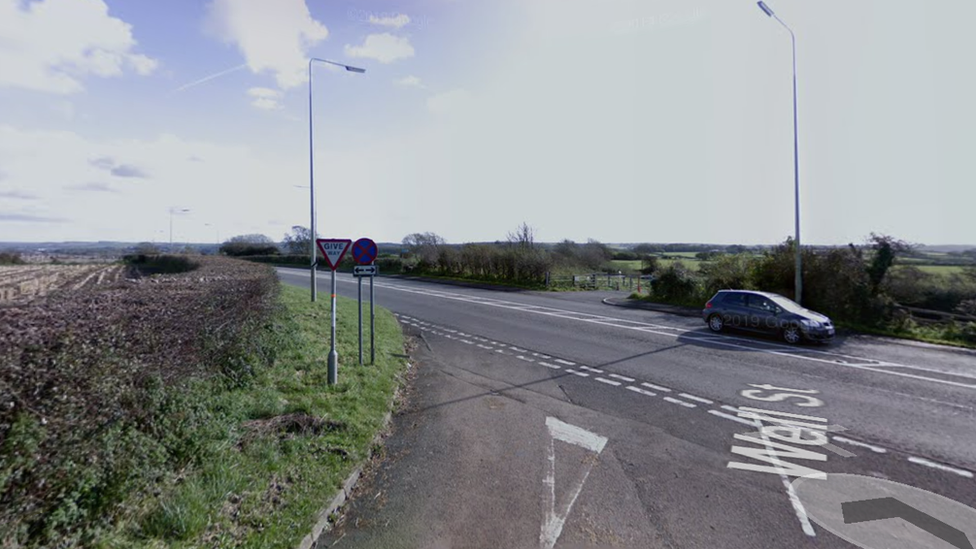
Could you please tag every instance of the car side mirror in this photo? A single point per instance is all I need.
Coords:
(777, 311)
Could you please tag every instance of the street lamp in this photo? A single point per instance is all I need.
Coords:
(311, 168)
(796, 160)
(171, 212)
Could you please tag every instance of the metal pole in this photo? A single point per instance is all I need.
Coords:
(333, 355)
(372, 324)
(360, 284)
(311, 197)
(796, 180)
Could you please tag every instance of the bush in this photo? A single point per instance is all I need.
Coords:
(11, 258)
(676, 284)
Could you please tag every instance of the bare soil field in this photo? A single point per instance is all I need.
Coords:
(22, 283)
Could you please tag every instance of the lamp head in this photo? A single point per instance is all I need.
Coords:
(765, 8)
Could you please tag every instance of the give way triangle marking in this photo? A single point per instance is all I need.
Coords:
(552, 525)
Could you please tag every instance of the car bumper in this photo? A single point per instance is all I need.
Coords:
(821, 334)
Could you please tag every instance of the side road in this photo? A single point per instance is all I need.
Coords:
(474, 462)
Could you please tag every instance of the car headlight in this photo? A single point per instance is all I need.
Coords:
(810, 323)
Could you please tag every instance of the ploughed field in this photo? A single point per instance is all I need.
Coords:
(22, 283)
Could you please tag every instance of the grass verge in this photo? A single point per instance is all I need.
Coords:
(274, 451)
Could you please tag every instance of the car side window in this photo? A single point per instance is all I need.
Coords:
(760, 303)
(734, 300)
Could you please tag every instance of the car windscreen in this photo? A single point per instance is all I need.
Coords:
(789, 305)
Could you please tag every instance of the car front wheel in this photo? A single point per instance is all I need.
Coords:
(715, 323)
(792, 334)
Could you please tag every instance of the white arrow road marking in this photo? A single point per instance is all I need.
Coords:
(552, 526)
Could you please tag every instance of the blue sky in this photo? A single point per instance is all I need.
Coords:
(619, 120)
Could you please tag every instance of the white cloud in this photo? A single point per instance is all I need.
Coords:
(273, 35)
(410, 82)
(266, 98)
(449, 102)
(398, 21)
(54, 166)
(384, 48)
(48, 45)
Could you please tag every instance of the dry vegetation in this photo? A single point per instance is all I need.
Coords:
(87, 364)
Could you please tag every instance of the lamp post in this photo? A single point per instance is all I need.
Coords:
(311, 177)
(796, 161)
(171, 212)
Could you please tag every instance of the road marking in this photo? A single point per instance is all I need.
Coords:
(681, 402)
(798, 508)
(552, 525)
(484, 346)
(776, 349)
(547, 365)
(622, 378)
(566, 362)
(730, 408)
(876, 449)
(520, 357)
(697, 399)
(658, 387)
(641, 391)
(468, 342)
(594, 370)
(575, 373)
(732, 418)
(608, 381)
(940, 466)
(502, 351)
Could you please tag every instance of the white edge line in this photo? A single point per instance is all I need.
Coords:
(940, 466)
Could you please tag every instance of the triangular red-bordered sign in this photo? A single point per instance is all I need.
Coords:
(333, 249)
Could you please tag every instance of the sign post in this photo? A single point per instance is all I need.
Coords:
(333, 249)
(364, 251)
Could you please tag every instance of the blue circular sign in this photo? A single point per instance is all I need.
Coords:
(364, 251)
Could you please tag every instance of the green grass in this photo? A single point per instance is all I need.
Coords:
(276, 450)
(635, 265)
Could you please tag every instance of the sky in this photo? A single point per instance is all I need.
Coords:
(617, 120)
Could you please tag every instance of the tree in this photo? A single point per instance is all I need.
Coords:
(649, 264)
(647, 249)
(425, 247)
(886, 248)
(146, 248)
(594, 254)
(249, 244)
(298, 241)
(523, 237)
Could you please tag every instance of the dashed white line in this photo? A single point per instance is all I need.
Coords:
(575, 373)
(594, 370)
(658, 387)
(681, 402)
(468, 342)
(641, 391)
(502, 351)
(566, 362)
(731, 409)
(875, 449)
(608, 381)
(731, 418)
(696, 399)
(547, 365)
(940, 466)
(520, 357)
(484, 346)
(620, 377)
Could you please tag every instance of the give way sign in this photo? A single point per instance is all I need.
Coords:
(333, 249)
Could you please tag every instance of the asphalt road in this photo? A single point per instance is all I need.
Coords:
(588, 425)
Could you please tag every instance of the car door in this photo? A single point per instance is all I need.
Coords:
(734, 309)
(762, 314)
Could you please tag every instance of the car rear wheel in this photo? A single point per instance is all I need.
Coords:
(716, 323)
(792, 334)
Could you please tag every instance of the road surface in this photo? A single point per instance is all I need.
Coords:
(556, 420)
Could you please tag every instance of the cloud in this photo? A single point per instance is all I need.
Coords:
(384, 48)
(93, 187)
(209, 77)
(126, 170)
(273, 35)
(30, 218)
(49, 45)
(104, 162)
(449, 102)
(265, 98)
(18, 195)
(410, 82)
(398, 21)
